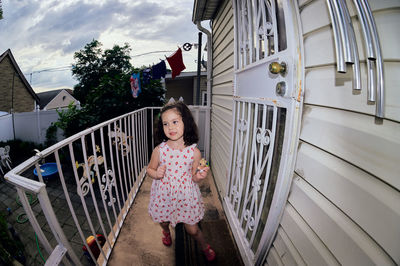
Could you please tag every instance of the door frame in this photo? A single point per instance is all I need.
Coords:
(290, 143)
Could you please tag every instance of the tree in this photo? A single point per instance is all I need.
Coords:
(1, 11)
(92, 65)
(104, 88)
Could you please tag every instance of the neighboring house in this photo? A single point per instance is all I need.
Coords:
(16, 93)
(185, 85)
(308, 168)
(56, 99)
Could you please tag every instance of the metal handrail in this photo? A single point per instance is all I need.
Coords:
(39, 188)
(340, 61)
(344, 31)
(124, 163)
(362, 16)
(380, 85)
(370, 47)
(353, 47)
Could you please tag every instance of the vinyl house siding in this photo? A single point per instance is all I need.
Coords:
(344, 204)
(63, 99)
(17, 95)
(222, 91)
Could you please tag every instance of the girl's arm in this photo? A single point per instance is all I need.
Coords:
(153, 169)
(198, 175)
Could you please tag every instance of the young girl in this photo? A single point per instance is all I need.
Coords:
(175, 196)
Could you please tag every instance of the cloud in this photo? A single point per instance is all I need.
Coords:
(46, 33)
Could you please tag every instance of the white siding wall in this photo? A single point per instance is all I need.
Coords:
(222, 91)
(344, 204)
(63, 99)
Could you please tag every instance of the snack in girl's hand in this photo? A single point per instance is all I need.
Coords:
(202, 164)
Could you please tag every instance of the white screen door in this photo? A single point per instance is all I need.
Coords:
(267, 103)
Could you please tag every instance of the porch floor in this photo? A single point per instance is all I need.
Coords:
(139, 242)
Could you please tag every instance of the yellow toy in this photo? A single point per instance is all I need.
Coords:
(202, 164)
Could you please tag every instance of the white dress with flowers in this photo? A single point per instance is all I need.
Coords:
(176, 198)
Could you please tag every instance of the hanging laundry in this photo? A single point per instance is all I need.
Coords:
(135, 84)
(146, 76)
(159, 70)
(175, 61)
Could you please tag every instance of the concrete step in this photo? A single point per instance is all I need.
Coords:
(139, 242)
(216, 232)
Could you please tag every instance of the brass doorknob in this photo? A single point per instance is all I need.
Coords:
(276, 68)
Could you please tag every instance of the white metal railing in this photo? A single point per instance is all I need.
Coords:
(100, 171)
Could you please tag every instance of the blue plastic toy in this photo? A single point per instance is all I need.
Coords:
(48, 170)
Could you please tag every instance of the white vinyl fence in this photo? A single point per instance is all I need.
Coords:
(6, 129)
(28, 126)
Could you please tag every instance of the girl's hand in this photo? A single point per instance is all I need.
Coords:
(200, 174)
(161, 171)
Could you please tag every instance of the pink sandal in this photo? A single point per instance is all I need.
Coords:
(209, 253)
(167, 240)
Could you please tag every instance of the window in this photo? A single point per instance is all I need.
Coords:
(204, 98)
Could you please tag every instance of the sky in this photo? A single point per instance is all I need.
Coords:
(44, 34)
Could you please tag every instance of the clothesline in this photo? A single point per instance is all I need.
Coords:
(154, 52)
(157, 71)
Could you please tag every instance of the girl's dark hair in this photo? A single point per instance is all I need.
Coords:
(190, 134)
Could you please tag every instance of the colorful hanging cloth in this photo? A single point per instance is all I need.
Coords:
(175, 61)
(159, 70)
(135, 84)
(146, 76)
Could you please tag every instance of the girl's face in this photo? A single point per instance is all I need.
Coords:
(172, 124)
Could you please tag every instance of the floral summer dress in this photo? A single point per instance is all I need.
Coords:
(176, 198)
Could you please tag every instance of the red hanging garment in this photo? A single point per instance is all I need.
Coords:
(175, 61)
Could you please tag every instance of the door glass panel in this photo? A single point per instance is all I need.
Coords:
(280, 17)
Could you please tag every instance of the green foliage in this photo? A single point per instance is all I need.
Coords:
(1, 11)
(93, 65)
(51, 135)
(10, 248)
(104, 89)
(71, 120)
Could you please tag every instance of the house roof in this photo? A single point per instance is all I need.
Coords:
(18, 70)
(205, 9)
(47, 96)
